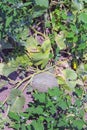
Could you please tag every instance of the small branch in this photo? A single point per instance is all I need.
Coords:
(4, 101)
(30, 77)
(25, 79)
(38, 32)
(27, 83)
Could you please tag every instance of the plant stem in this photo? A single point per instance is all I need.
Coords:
(38, 32)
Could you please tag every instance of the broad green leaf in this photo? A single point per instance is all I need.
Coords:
(59, 38)
(18, 104)
(46, 46)
(22, 60)
(39, 110)
(55, 92)
(82, 46)
(63, 105)
(31, 43)
(38, 11)
(38, 55)
(77, 5)
(14, 116)
(71, 85)
(16, 126)
(83, 17)
(78, 124)
(70, 34)
(37, 125)
(42, 3)
(70, 79)
(28, 127)
(27, 3)
(13, 94)
(70, 74)
(16, 100)
(23, 127)
(40, 97)
(6, 69)
(61, 80)
(44, 63)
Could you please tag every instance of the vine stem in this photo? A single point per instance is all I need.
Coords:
(38, 32)
(27, 83)
(4, 101)
(30, 77)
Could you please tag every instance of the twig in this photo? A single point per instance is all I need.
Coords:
(34, 75)
(25, 79)
(30, 77)
(4, 101)
(38, 32)
(27, 84)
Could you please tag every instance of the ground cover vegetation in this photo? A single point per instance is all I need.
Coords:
(43, 41)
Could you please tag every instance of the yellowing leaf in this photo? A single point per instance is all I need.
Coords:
(39, 55)
(6, 69)
(59, 38)
(46, 46)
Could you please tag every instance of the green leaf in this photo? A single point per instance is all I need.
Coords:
(38, 110)
(77, 5)
(37, 125)
(24, 34)
(27, 4)
(35, 110)
(70, 74)
(6, 69)
(62, 122)
(70, 34)
(55, 92)
(61, 80)
(70, 79)
(40, 97)
(9, 20)
(78, 103)
(14, 116)
(18, 104)
(59, 38)
(79, 91)
(63, 105)
(38, 55)
(78, 124)
(23, 127)
(46, 46)
(44, 3)
(82, 46)
(31, 43)
(16, 100)
(16, 126)
(71, 85)
(38, 11)
(83, 17)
